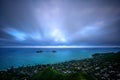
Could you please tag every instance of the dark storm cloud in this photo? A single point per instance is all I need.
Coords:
(47, 22)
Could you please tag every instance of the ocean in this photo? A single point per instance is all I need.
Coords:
(28, 56)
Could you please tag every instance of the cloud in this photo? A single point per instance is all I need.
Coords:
(60, 22)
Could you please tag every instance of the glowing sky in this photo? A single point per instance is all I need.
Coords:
(59, 22)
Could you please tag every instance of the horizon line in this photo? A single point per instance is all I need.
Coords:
(59, 46)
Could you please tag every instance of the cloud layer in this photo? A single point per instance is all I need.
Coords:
(51, 22)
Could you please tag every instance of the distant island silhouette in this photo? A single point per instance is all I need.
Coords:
(101, 66)
(41, 51)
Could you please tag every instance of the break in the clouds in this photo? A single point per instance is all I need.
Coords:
(63, 22)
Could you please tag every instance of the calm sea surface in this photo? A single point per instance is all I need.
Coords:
(28, 56)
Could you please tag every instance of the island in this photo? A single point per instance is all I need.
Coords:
(101, 66)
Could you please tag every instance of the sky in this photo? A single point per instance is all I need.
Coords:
(59, 22)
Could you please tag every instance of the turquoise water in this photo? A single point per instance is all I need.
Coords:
(28, 56)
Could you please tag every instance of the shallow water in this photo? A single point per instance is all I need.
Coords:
(28, 56)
